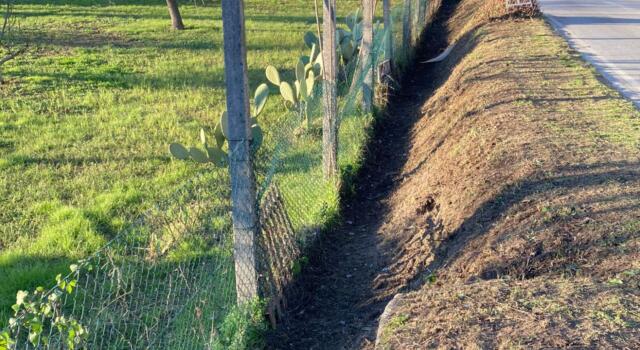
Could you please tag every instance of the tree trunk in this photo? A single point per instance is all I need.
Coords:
(330, 92)
(11, 48)
(174, 12)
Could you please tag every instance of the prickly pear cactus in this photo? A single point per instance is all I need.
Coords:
(214, 151)
(311, 39)
(273, 75)
(349, 40)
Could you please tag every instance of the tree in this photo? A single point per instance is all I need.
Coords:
(174, 12)
(10, 48)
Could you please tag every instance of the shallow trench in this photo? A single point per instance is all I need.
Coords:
(335, 304)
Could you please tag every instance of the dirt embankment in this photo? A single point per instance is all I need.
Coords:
(518, 212)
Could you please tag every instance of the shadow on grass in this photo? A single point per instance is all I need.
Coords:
(27, 273)
(20, 160)
(93, 3)
(160, 16)
(197, 78)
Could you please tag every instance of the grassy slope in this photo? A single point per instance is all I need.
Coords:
(520, 200)
(85, 119)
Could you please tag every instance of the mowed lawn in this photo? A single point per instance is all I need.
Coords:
(86, 117)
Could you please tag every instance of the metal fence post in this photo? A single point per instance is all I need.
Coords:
(243, 187)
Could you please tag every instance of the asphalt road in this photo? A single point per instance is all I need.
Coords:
(607, 33)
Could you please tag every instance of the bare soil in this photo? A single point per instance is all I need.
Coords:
(500, 198)
(338, 302)
(519, 201)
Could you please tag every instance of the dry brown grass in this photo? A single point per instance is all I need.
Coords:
(532, 314)
(521, 187)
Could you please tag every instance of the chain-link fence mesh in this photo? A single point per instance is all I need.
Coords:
(169, 281)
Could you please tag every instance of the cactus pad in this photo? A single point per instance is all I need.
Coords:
(287, 92)
(219, 135)
(258, 136)
(179, 151)
(310, 39)
(198, 155)
(224, 124)
(260, 99)
(217, 156)
(273, 75)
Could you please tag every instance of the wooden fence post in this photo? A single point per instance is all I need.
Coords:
(243, 187)
(415, 20)
(386, 14)
(366, 54)
(330, 92)
(422, 15)
(406, 29)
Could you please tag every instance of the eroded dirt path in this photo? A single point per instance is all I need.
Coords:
(339, 305)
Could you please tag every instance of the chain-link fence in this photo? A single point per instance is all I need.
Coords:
(168, 281)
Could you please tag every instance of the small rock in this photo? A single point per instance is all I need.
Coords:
(587, 220)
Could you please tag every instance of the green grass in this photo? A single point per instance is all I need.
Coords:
(86, 118)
